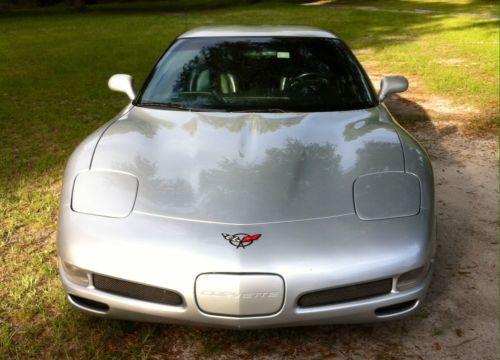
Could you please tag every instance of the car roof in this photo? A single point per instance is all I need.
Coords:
(257, 30)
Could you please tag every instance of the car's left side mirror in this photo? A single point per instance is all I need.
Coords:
(392, 84)
(123, 83)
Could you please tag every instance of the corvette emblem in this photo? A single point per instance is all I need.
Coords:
(241, 240)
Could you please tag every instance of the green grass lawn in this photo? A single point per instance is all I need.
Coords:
(54, 66)
(456, 6)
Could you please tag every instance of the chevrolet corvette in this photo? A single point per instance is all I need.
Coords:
(255, 180)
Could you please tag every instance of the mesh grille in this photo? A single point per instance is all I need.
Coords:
(346, 293)
(136, 291)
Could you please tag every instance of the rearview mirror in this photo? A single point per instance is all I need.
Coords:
(123, 83)
(391, 85)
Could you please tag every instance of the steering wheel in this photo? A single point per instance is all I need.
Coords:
(308, 84)
(307, 77)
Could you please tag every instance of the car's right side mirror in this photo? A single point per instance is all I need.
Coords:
(392, 84)
(122, 83)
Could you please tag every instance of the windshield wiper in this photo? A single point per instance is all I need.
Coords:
(164, 105)
(173, 106)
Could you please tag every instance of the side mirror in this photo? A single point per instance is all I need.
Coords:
(391, 85)
(122, 83)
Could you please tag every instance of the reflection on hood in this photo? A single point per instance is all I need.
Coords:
(248, 168)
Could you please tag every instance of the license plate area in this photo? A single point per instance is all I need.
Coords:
(240, 294)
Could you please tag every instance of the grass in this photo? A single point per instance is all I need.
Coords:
(456, 6)
(53, 73)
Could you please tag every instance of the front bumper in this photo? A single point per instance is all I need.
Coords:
(171, 254)
(395, 305)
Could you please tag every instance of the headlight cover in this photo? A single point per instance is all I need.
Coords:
(386, 195)
(104, 193)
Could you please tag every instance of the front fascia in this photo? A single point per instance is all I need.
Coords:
(171, 254)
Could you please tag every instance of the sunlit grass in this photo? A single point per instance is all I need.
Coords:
(489, 7)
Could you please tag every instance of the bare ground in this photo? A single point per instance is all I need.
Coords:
(460, 318)
(462, 302)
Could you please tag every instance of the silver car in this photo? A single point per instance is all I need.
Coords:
(256, 180)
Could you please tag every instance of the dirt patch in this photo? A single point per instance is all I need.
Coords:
(452, 61)
(463, 298)
(461, 310)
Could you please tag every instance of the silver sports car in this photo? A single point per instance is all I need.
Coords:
(255, 180)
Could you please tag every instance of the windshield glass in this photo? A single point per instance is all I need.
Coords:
(258, 74)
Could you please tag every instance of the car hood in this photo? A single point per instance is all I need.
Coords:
(248, 168)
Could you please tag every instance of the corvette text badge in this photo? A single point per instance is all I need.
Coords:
(241, 240)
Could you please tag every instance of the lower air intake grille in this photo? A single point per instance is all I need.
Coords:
(346, 293)
(136, 291)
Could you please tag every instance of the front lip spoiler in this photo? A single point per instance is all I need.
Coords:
(87, 308)
(361, 311)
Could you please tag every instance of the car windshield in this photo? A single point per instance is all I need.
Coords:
(259, 74)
